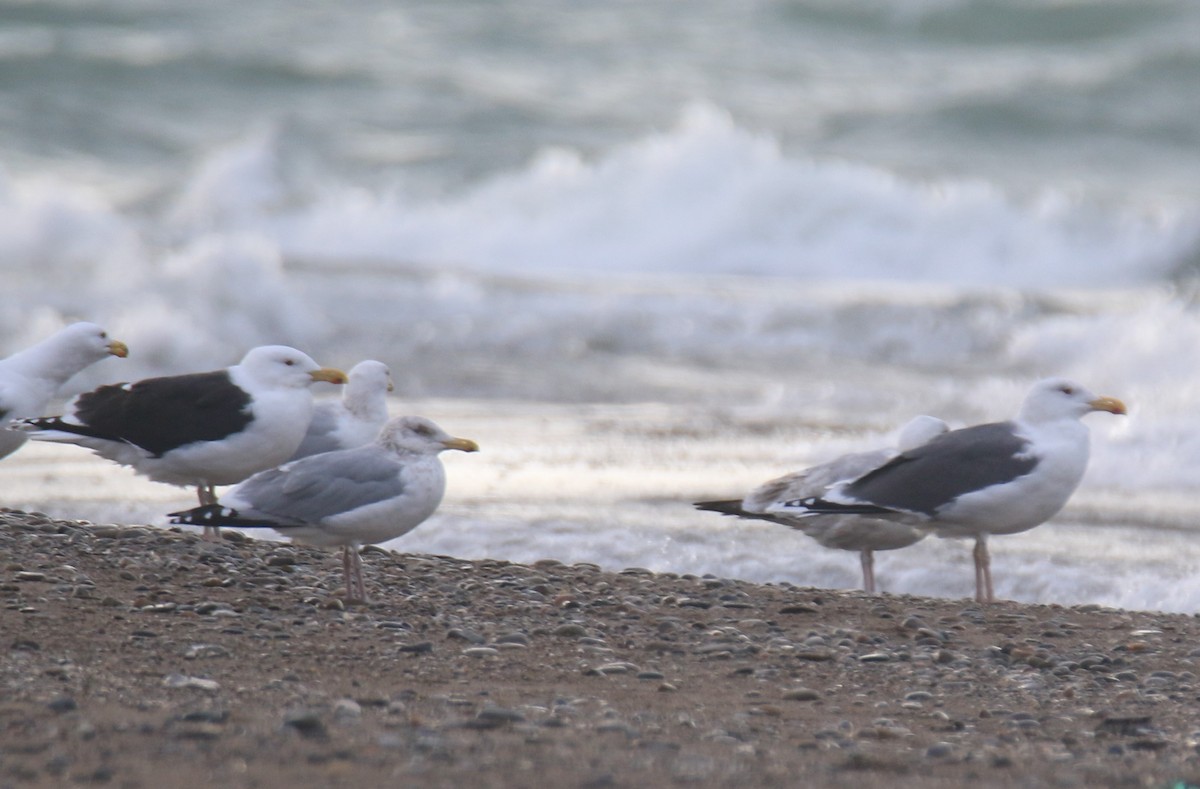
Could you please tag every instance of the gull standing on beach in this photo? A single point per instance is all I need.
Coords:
(29, 379)
(349, 497)
(199, 429)
(844, 532)
(995, 478)
(356, 418)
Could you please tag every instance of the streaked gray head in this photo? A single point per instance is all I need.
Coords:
(418, 435)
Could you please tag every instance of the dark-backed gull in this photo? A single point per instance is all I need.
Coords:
(844, 532)
(996, 478)
(198, 429)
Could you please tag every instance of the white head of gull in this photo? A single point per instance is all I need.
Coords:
(356, 418)
(30, 378)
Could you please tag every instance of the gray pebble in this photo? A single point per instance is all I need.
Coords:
(939, 750)
(570, 630)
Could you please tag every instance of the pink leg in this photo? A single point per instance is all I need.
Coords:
(868, 570)
(356, 588)
(208, 495)
(983, 571)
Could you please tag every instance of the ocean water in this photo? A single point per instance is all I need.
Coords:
(642, 256)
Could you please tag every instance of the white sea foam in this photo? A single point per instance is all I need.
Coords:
(710, 197)
(782, 309)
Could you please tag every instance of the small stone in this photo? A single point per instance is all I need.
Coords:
(570, 630)
(818, 654)
(182, 681)
(347, 709)
(500, 715)
(63, 704)
(419, 648)
(610, 668)
(206, 716)
(481, 652)
(1126, 725)
(515, 639)
(801, 694)
(196, 651)
(307, 723)
(939, 750)
(463, 634)
(199, 731)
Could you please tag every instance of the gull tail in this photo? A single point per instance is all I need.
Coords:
(725, 507)
(815, 505)
(55, 428)
(734, 507)
(217, 515)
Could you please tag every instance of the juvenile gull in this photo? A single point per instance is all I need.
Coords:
(29, 379)
(199, 429)
(845, 532)
(348, 497)
(356, 418)
(996, 478)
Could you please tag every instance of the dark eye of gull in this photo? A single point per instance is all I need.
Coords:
(1067, 390)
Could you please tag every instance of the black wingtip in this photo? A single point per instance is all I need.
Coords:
(725, 507)
(815, 505)
(207, 515)
(219, 515)
(30, 423)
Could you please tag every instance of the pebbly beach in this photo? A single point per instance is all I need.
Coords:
(131, 650)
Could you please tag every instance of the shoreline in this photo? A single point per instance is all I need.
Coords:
(130, 650)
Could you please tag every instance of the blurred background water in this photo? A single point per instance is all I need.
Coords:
(643, 252)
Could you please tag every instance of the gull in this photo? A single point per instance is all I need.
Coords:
(199, 429)
(348, 497)
(29, 379)
(994, 478)
(356, 418)
(844, 532)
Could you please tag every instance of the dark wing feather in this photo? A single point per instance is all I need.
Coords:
(161, 414)
(933, 475)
